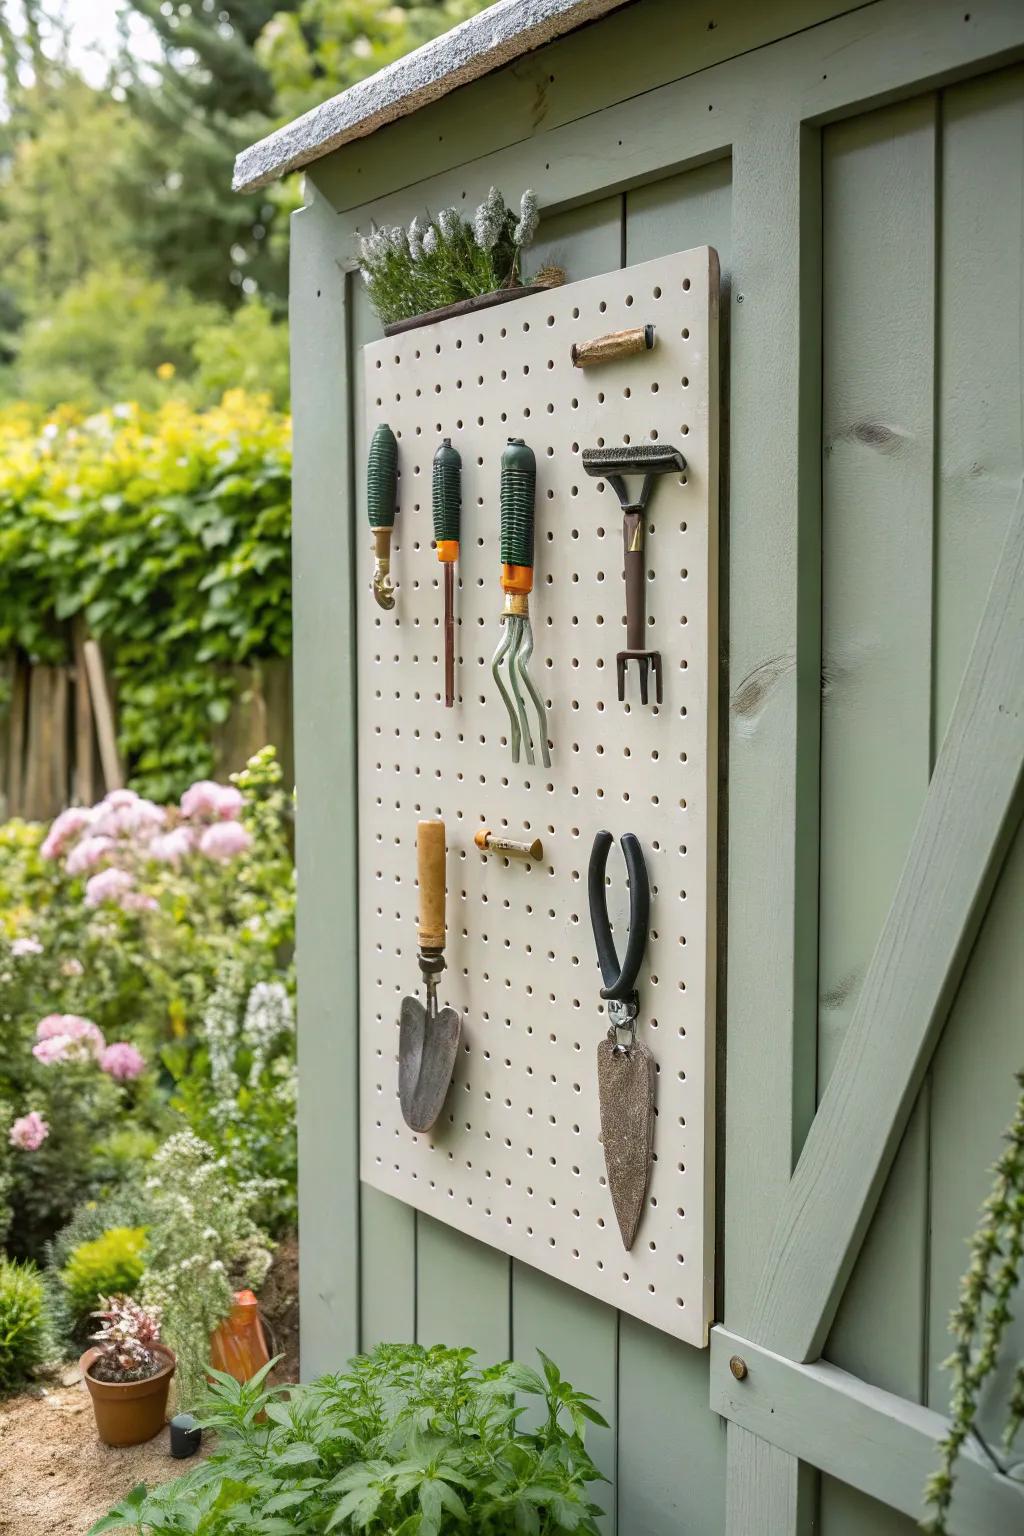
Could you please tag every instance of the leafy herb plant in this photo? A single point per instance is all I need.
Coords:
(440, 261)
(407, 1442)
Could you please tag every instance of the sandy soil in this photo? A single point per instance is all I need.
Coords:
(56, 1478)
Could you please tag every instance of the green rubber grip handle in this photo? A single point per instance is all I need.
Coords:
(447, 492)
(518, 487)
(382, 478)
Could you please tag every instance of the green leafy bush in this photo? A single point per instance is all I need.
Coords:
(111, 1265)
(24, 1338)
(408, 1442)
(169, 532)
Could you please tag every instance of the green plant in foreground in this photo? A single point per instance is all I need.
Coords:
(407, 1442)
(24, 1338)
(110, 1265)
(982, 1316)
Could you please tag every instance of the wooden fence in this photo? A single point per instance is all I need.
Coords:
(58, 734)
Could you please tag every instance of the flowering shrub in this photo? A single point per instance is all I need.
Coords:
(126, 1341)
(409, 271)
(106, 992)
(169, 532)
(202, 1246)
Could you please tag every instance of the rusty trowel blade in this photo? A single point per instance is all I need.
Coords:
(625, 1086)
(427, 1049)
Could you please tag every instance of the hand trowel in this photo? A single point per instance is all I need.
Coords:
(428, 1037)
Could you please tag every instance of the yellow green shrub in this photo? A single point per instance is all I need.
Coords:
(110, 1265)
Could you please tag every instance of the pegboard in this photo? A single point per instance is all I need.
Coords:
(515, 1159)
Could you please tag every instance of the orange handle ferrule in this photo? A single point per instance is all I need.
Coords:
(447, 551)
(517, 578)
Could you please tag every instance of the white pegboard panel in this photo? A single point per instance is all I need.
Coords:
(515, 1159)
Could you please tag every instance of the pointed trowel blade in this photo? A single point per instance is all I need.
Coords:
(427, 1050)
(625, 1085)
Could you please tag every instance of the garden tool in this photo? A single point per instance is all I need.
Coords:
(381, 500)
(625, 1067)
(611, 464)
(511, 847)
(428, 1038)
(606, 349)
(518, 484)
(447, 509)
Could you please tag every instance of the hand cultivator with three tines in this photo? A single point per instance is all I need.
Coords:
(518, 485)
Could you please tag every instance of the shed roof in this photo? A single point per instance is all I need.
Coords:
(485, 42)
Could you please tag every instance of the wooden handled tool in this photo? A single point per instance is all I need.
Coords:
(430, 870)
(428, 1037)
(381, 501)
(607, 349)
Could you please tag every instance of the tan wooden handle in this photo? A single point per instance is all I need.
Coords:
(430, 850)
(605, 349)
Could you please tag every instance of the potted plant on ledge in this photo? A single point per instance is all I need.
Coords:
(128, 1373)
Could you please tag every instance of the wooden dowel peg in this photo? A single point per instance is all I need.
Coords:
(430, 860)
(510, 847)
(606, 349)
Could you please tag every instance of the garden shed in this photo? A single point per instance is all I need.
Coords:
(824, 202)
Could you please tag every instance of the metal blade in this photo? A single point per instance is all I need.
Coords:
(625, 1086)
(427, 1051)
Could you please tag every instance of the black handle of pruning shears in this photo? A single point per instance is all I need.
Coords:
(619, 981)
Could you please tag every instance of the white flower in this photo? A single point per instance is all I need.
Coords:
(488, 220)
(415, 239)
(430, 241)
(28, 946)
(529, 218)
(449, 222)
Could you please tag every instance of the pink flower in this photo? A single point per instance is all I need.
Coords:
(87, 853)
(171, 847)
(122, 1061)
(224, 840)
(138, 901)
(72, 967)
(108, 885)
(67, 825)
(129, 818)
(66, 1037)
(29, 1131)
(21, 947)
(119, 799)
(222, 802)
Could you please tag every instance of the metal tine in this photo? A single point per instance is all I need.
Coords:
(521, 626)
(522, 665)
(499, 656)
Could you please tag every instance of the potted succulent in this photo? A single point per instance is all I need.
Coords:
(128, 1373)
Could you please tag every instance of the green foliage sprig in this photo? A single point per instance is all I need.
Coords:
(408, 1442)
(410, 271)
(169, 533)
(24, 1337)
(980, 1321)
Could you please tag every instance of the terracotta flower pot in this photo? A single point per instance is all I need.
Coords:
(129, 1412)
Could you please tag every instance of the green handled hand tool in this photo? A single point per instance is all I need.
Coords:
(447, 510)
(518, 487)
(381, 501)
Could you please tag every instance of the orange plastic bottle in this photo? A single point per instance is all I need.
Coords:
(238, 1346)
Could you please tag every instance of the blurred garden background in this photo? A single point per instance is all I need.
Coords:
(147, 896)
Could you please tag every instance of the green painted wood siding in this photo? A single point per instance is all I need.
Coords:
(921, 467)
(919, 457)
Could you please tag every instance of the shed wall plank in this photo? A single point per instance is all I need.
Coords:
(462, 1292)
(981, 462)
(387, 1228)
(879, 211)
